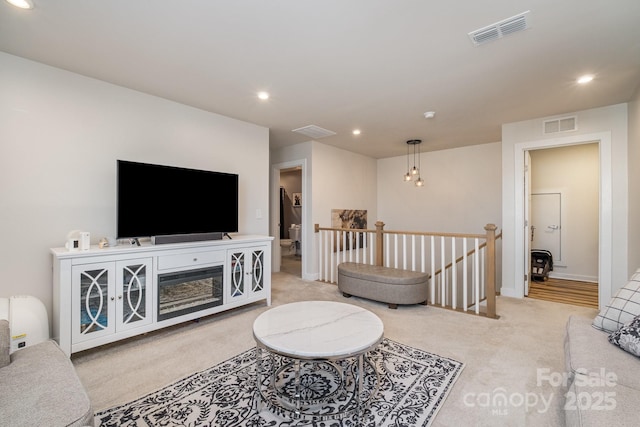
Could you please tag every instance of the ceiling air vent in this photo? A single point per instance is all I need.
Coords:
(314, 131)
(500, 29)
(563, 124)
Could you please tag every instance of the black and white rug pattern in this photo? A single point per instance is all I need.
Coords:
(413, 386)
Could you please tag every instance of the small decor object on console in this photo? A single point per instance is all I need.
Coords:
(85, 240)
(72, 244)
(73, 240)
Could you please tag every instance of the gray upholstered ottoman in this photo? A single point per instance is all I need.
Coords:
(390, 285)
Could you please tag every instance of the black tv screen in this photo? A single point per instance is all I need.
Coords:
(157, 200)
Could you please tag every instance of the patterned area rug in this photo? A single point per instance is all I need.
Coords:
(413, 386)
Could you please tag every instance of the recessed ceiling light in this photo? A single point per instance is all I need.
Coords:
(22, 4)
(429, 114)
(585, 79)
(356, 132)
(263, 95)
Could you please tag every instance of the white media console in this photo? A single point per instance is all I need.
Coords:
(105, 295)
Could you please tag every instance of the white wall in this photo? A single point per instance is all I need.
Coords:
(573, 172)
(461, 192)
(609, 122)
(634, 184)
(348, 181)
(342, 180)
(60, 136)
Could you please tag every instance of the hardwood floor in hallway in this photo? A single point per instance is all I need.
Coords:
(573, 292)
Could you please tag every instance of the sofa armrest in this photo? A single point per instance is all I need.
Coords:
(5, 343)
(41, 388)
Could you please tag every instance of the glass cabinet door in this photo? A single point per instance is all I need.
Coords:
(134, 293)
(92, 312)
(257, 270)
(238, 270)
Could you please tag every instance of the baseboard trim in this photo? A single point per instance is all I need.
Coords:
(312, 277)
(576, 277)
(509, 292)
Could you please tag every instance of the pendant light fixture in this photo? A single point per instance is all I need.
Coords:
(414, 172)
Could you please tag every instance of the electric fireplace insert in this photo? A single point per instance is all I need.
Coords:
(185, 292)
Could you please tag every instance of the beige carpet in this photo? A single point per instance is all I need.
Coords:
(502, 357)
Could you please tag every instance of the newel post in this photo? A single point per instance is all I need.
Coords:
(491, 270)
(379, 242)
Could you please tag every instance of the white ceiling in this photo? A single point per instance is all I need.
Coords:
(376, 65)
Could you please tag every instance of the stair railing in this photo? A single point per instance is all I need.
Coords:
(462, 267)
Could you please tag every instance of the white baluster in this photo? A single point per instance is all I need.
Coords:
(477, 275)
(320, 256)
(403, 252)
(387, 245)
(395, 248)
(433, 270)
(454, 275)
(331, 252)
(423, 255)
(328, 250)
(465, 291)
(413, 252)
(443, 274)
(483, 288)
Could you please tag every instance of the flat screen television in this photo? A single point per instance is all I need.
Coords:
(182, 204)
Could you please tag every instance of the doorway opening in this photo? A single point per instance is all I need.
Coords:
(290, 220)
(594, 265)
(563, 220)
(289, 211)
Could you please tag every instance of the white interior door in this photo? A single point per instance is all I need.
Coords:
(546, 223)
(527, 219)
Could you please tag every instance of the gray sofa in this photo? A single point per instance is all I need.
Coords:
(603, 381)
(39, 386)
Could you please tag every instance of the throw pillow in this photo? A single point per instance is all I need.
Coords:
(628, 337)
(624, 306)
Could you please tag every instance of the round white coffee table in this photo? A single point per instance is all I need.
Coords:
(315, 358)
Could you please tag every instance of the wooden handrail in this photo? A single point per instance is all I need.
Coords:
(408, 233)
(361, 230)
